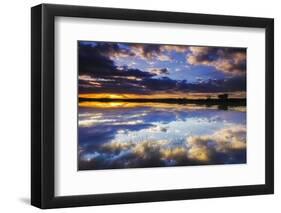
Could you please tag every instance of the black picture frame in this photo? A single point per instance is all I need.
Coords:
(43, 111)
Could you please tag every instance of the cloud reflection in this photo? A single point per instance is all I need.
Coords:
(149, 136)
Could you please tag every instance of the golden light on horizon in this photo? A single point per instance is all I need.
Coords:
(114, 96)
(160, 95)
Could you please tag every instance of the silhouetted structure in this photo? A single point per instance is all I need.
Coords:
(223, 96)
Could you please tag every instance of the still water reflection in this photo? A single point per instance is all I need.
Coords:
(136, 135)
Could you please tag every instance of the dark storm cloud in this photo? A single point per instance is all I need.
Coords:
(227, 60)
(148, 51)
(164, 83)
(222, 85)
(150, 85)
(99, 74)
(93, 61)
(159, 71)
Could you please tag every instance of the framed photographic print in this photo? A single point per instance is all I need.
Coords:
(139, 106)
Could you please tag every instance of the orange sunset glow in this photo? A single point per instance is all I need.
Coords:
(159, 96)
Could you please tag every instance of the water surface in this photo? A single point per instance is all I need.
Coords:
(119, 135)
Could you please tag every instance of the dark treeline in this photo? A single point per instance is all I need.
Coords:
(208, 101)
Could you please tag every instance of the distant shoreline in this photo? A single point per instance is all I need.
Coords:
(226, 102)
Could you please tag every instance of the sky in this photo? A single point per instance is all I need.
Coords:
(133, 70)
